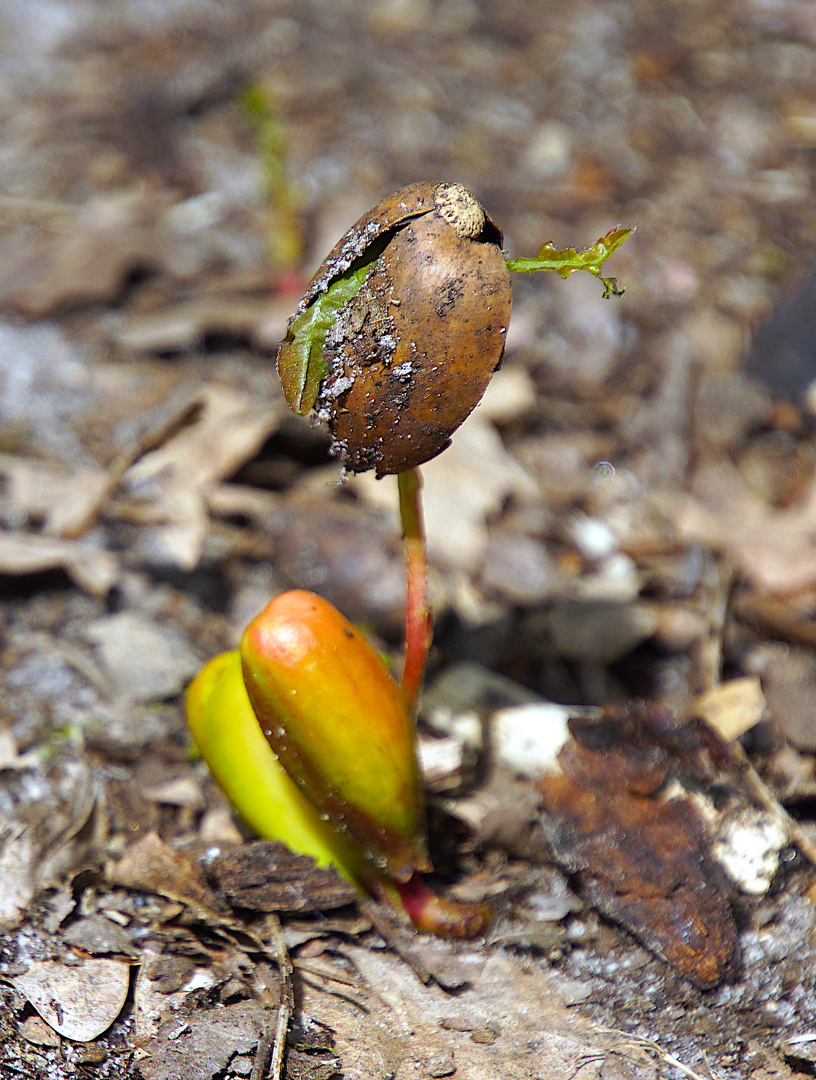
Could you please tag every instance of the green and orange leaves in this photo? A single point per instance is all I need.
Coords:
(245, 767)
(308, 736)
(337, 721)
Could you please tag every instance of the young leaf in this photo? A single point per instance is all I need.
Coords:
(301, 366)
(568, 261)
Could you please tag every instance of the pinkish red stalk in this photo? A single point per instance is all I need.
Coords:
(436, 915)
(418, 621)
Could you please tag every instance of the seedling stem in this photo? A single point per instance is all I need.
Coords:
(418, 621)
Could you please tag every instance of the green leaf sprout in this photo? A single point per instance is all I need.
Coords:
(304, 367)
(568, 261)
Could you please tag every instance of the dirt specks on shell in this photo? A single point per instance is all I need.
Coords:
(410, 355)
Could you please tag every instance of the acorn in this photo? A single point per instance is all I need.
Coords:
(401, 328)
(245, 767)
(310, 685)
(338, 723)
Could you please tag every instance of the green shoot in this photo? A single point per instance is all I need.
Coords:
(568, 261)
(284, 200)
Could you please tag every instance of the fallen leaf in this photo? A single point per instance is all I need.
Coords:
(98, 936)
(17, 878)
(36, 1031)
(462, 488)
(201, 1045)
(79, 1001)
(50, 492)
(510, 1023)
(773, 548)
(85, 257)
(183, 325)
(642, 860)
(733, 707)
(168, 486)
(142, 660)
(155, 999)
(230, 427)
(153, 866)
(92, 569)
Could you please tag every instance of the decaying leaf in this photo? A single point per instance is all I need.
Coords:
(153, 866)
(168, 486)
(463, 488)
(17, 877)
(79, 1001)
(92, 569)
(142, 660)
(643, 860)
(772, 548)
(733, 707)
(511, 1023)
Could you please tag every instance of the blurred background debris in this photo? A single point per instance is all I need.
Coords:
(629, 516)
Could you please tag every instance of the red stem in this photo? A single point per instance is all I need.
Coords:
(418, 622)
(439, 915)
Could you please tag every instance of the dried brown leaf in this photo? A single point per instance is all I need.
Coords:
(79, 1001)
(92, 569)
(153, 866)
(641, 860)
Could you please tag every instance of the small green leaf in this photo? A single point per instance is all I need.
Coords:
(568, 261)
(301, 365)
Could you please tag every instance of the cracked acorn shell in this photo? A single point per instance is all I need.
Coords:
(409, 356)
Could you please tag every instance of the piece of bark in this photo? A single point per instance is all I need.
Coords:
(266, 876)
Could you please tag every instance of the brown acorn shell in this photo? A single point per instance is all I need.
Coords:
(392, 212)
(410, 356)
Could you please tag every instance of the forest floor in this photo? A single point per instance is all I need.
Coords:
(622, 536)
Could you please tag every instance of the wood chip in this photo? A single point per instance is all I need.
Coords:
(733, 707)
(267, 876)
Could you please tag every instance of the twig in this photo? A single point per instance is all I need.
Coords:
(418, 625)
(268, 1063)
(330, 985)
(174, 415)
(395, 940)
(262, 1054)
(766, 798)
(654, 1048)
(776, 617)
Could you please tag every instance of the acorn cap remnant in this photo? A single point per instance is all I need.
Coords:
(401, 328)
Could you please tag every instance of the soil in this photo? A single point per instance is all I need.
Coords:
(621, 538)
